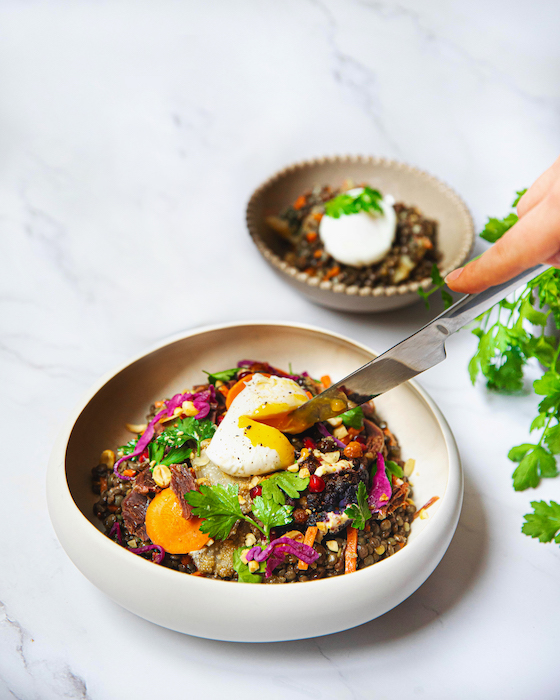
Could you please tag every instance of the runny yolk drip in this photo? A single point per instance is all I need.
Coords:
(267, 436)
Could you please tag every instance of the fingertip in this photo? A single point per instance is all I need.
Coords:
(452, 277)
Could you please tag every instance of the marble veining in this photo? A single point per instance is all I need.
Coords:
(132, 137)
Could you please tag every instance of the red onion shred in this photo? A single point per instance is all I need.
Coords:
(322, 428)
(116, 529)
(380, 492)
(275, 552)
(148, 548)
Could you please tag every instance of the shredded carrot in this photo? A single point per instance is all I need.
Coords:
(309, 394)
(354, 432)
(326, 381)
(333, 272)
(300, 202)
(129, 472)
(351, 553)
(317, 253)
(158, 404)
(310, 535)
(224, 389)
(426, 505)
(317, 216)
(311, 236)
(309, 271)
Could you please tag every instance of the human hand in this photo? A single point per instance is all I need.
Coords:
(534, 239)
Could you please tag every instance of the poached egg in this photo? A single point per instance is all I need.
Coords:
(244, 446)
(360, 239)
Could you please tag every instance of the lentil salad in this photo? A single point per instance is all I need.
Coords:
(344, 504)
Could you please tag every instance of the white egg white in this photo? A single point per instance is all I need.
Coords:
(360, 239)
(232, 450)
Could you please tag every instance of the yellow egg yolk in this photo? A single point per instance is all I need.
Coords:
(267, 436)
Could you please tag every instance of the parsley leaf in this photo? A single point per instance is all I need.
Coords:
(543, 522)
(495, 228)
(271, 514)
(345, 204)
(129, 447)
(243, 573)
(219, 506)
(354, 418)
(534, 462)
(156, 451)
(519, 194)
(223, 376)
(292, 484)
(197, 430)
(359, 512)
(177, 455)
(438, 282)
(393, 468)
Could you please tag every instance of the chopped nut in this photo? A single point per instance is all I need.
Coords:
(136, 427)
(322, 527)
(243, 556)
(380, 550)
(209, 542)
(253, 566)
(132, 544)
(424, 515)
(409, 467)
(107, 458)
(333, 545)
(241, 500)
(295, 535)
(188, 408)
(200, 460)
(340, 432)
(204, 443)
(254, 481)
(162, 475)
(331, 457)
(335, 422)
(202, 480)
(304, 473)
(293, 468)
(219, 383)
(250, 540)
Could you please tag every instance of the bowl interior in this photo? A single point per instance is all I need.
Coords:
(177, 366)
(409, 185)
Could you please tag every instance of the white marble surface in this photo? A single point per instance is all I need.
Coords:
(131, 135)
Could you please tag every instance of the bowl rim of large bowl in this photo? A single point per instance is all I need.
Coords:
(453, 489)
(252, 220)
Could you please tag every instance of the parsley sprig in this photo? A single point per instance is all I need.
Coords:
(220, 508)
(438, 282)
(509, 336)
(274, 487)
(344, 204)
(359, 512)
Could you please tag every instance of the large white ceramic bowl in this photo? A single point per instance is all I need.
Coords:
(238, 611)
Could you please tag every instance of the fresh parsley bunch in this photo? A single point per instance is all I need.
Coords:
(509, 335)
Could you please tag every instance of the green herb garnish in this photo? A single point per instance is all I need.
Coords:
(177, 455)
(359, 512)
(225, 376)
(186, 429)
(219, 506)
(438, 282)
(275, 485)
(393, 468)
(543, 522)
(343, 204)
(129, 448)
(354, 418)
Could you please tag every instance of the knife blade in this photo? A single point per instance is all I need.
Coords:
(409, 358)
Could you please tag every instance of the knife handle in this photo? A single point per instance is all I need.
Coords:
(472, 305)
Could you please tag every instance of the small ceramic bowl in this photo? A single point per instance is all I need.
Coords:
(228, 610)
(406, 183)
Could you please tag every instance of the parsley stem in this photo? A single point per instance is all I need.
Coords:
(550, 417)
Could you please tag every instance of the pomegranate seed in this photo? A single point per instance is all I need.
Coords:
(361, 440)
(255, 491)
(144, 455)
(220, 418)
(316, 484)
(309, 443)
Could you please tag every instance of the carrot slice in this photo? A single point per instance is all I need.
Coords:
(300, 202)
(326, 381)
(237, 388)
(309, 538)
(351, 553)
(167, 527)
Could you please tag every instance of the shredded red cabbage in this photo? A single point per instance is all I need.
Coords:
(116, 529)
(275, 552)
(322, 428)
(148, 548)
(380, 492)
(201, 401)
